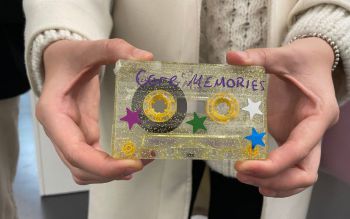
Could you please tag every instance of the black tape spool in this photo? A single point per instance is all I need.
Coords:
(160, 127)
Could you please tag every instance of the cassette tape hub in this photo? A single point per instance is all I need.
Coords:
(189, 111)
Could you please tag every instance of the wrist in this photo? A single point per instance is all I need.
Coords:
(331, 45)
(317, 49)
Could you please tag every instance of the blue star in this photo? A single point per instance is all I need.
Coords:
(256, 138)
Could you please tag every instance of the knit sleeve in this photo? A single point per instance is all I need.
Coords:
(51, 20)
(334, 22)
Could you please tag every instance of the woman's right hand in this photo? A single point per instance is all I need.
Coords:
(68, 107)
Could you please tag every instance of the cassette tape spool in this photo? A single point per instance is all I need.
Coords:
(189, 111)
(145, 98)
(212, 107)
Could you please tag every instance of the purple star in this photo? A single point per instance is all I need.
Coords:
(131, 117)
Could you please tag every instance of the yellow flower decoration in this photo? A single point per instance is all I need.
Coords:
(251, 153)
(128, 149)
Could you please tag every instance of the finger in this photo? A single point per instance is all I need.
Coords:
(82, 177)
(85, 178)
(88, 119)
(270, 58)
(301, 175)
(80, 181)
(304, 137)
(105, 52)
(290, 179)
(83, 156)
(280, 194)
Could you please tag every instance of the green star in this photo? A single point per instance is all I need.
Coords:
(197, 123)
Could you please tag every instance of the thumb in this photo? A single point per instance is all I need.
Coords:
(104, 52)
(269, 58)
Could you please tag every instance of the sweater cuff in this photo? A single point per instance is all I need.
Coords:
(35, 64)
(334, 22)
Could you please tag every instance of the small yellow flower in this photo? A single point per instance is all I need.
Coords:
(251, 153)
(128, 149)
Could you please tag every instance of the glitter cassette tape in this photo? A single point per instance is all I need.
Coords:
(189, 111)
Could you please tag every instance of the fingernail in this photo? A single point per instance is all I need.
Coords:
(137, 53)
(242, 54)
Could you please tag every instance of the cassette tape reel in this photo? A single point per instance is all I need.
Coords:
(220, 115)
(189, 111)
(163, 120)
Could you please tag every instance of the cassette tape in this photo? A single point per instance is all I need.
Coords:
(189, 111)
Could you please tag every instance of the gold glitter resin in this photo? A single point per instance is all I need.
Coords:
(216, 92)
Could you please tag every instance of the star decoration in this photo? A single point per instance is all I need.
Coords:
(197, 122)
(131, 118)
(253, 108)
(256, 138)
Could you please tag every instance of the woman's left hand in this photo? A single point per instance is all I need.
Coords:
(301, 106)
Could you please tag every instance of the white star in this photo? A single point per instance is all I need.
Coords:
(252, 108)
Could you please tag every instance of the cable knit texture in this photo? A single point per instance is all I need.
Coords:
(235, 25)
(334, 22)
(40, 43)
(231, 25)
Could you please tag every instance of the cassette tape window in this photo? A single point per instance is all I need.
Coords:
(189, 111)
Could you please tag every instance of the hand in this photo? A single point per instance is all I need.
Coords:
(301, 106)
(69, 104)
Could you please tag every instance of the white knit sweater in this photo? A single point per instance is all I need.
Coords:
(234, 25)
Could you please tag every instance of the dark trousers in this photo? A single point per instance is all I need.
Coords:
(229, 198)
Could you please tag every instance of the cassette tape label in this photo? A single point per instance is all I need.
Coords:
(189, 111)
